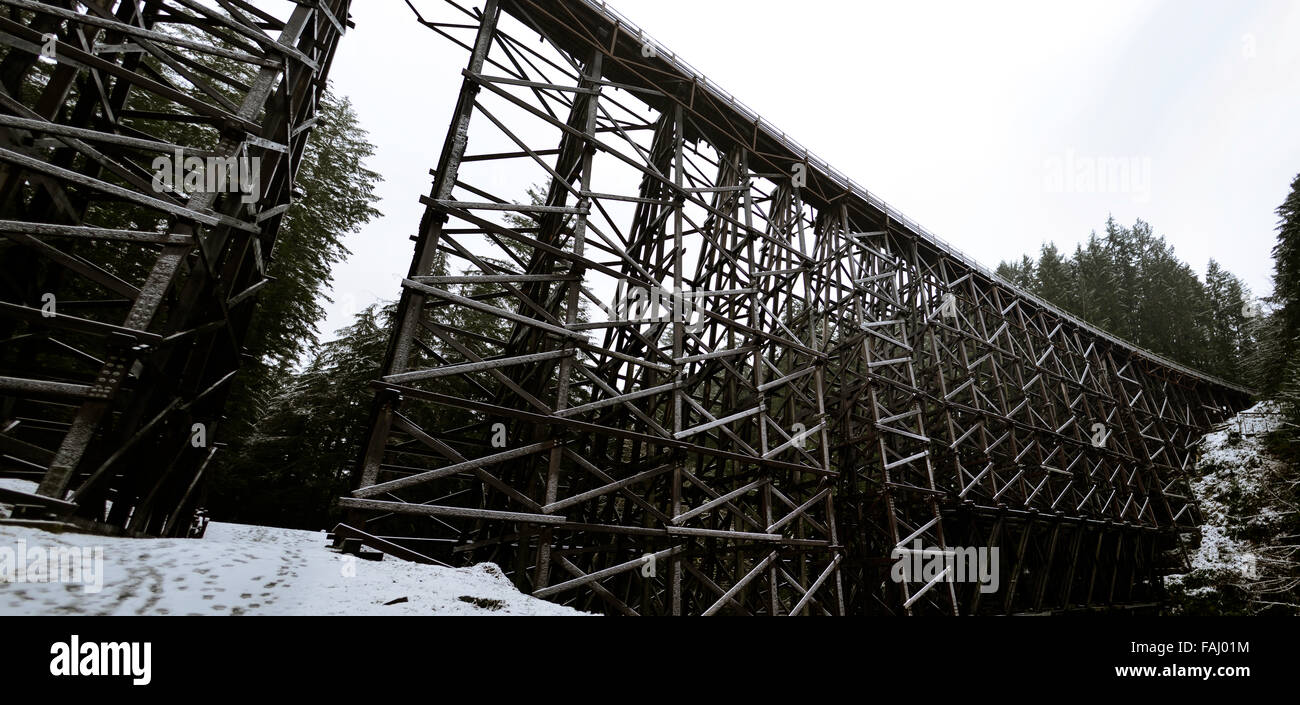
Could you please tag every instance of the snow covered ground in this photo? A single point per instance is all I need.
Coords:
(1232, 491)
(249, 570)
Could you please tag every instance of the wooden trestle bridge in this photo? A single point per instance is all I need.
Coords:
(701, 372)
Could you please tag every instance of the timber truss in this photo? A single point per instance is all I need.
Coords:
(703, 372)
(124, 306)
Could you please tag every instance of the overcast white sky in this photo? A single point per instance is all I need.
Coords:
(965, 116)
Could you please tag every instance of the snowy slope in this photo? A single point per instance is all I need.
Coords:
(237, 569)
(1236, 476)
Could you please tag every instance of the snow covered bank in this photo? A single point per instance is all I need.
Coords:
(254, 570)
(1243, 518)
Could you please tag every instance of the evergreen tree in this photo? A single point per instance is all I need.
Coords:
(310, 427)
(1096, 292)
(338, 196)
(1057, 278)
(1283, 326)
(298, 458)
(1131, 283)
(1020, 274)
(1230, 340)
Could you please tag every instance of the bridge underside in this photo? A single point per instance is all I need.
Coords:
(124, 305)
(824, 389)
